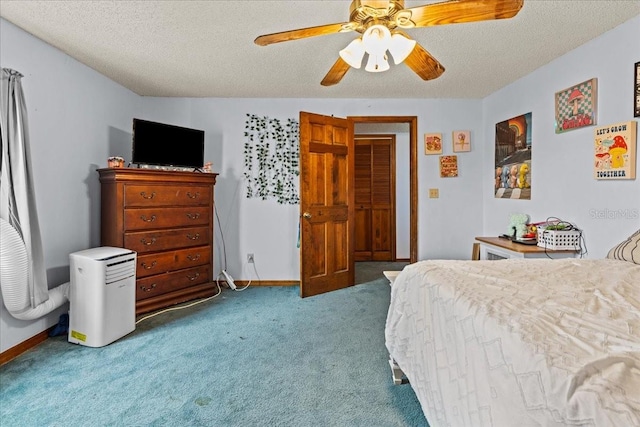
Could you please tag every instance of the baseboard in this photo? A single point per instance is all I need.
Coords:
(403, 260)
(242, 283)
(24, 346)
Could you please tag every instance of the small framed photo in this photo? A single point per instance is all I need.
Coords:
(448, 166)
(461, 141)
(636, 108)
(432, 143)
(576, 106)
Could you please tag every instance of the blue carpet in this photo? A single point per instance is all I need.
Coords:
(261, 357)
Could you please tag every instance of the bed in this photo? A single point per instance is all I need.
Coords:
(520, 342)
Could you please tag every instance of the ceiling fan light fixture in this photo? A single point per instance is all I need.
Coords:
(400, 47)
(376, 39)
(377, 63)
(353, 53)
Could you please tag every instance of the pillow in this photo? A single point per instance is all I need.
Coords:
(629, 250)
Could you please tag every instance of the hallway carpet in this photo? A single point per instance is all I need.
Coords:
(261, 357)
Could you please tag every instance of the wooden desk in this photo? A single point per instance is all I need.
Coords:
(495, 248)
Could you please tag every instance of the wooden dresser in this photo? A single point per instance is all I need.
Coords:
(167, 218)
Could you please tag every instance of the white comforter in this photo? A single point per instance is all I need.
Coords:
(520, 342)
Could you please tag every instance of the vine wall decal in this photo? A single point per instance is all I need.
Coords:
(271, 159)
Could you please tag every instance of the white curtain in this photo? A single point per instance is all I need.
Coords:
(17, 198)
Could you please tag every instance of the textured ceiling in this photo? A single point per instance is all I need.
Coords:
(206, 49)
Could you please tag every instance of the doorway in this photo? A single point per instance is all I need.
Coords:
(375, 197)
(327, 198)
(407, 224)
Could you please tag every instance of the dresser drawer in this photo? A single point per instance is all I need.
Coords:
(162, 240)
(153, 218)
(161, 262)
(159, 284)
(166, 195)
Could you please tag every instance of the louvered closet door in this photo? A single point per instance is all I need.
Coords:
(375, 198)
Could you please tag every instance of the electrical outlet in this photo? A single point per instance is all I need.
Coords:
(250, 258)
(434, 193)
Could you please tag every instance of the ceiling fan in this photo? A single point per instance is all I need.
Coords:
(380, 23)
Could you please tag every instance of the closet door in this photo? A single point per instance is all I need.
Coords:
(375, 198)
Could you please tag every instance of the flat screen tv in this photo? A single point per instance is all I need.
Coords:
(167, 145)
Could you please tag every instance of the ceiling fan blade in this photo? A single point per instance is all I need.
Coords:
(424, 64)
(336, 73)
(300, 33)
(458, 11)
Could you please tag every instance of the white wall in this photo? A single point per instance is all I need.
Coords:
(77, 118)
(270, 231)
(562, 165)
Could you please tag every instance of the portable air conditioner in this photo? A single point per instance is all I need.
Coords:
(102, 295)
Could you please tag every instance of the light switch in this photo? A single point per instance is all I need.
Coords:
(434, 193)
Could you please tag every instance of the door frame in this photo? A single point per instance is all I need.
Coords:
(413, 172)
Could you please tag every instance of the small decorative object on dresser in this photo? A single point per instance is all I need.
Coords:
(166, 217)
(115, 162)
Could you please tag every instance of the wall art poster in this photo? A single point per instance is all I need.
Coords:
(432, 143)
(576, 106)
(512, 172)
(615, 151)
(461, 141)
(636, 100)
(448, 166)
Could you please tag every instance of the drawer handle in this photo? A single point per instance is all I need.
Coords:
(194, 277)
(193, 195)
(150, 196)
(149, 289)
(148, 243)
(193, 215)
(148, 267)
(193, 236)
(193, 257)
(145, 219)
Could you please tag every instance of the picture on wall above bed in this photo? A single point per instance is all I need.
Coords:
(636, 89)
(615, 151)
(513, 158)
(576, 106)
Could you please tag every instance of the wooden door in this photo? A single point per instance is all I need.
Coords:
(326, 204)
(375, 219)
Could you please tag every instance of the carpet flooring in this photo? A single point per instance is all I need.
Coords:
(261, 357)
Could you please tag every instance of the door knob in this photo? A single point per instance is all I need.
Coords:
(306, 215)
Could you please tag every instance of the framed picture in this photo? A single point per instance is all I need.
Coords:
(636, 100)
(512, 173)
(432, 143)
(461, 141)
(615, 151)
(576, 106)
(448, 166)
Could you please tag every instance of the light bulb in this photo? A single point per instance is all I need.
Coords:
(376, 39)
(400, 47)
(353, 53)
